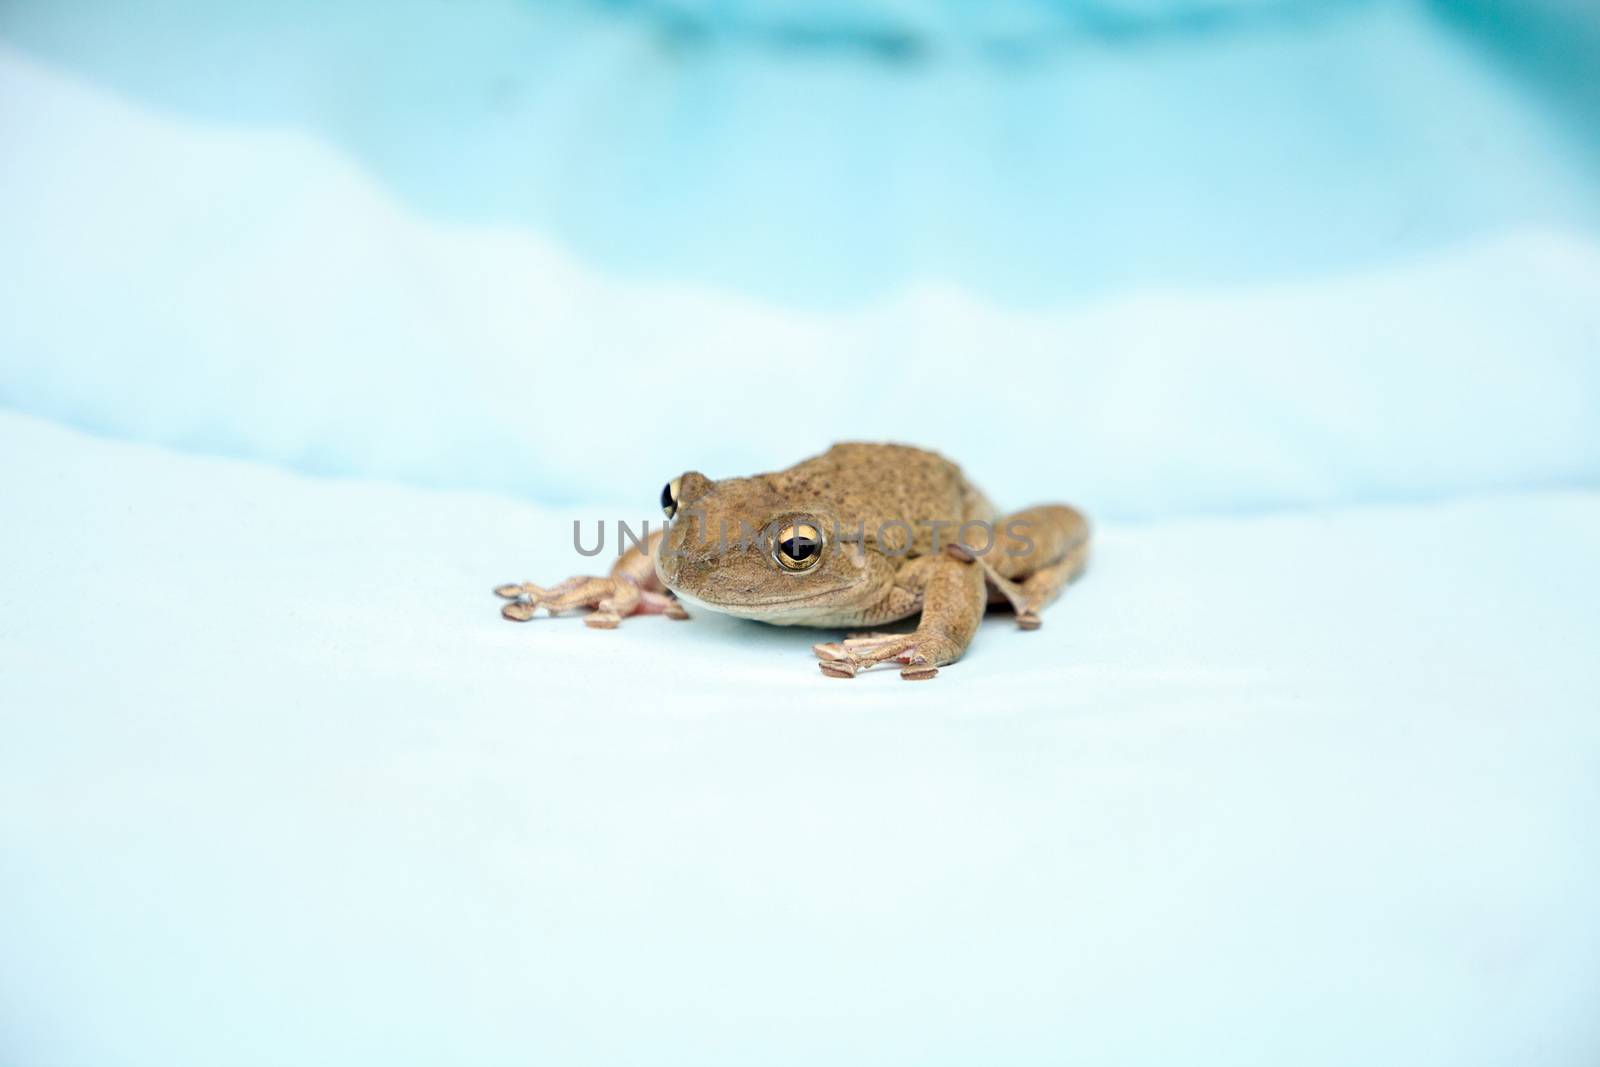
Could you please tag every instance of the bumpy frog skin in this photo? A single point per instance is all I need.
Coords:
(860, 536)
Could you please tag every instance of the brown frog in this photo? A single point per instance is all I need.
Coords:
(860, 536)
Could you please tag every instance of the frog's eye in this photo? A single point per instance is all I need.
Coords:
(669, 497)
(798, 546)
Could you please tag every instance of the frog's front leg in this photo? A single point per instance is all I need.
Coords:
(632, 588)
(952, 595)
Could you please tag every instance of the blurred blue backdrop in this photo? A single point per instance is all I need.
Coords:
(1159, 255)
(828, 152)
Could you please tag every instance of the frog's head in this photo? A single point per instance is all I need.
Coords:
(743, 547)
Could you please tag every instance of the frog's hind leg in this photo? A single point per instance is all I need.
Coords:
(1033, 555)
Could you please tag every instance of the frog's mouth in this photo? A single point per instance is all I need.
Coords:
(761, 609)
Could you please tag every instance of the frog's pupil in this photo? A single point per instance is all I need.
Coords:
(666, 497)
(798, 547)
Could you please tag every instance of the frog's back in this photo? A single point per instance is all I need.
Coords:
(872, 484)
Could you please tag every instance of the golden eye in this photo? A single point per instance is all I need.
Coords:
(669, 497)
(798, 546)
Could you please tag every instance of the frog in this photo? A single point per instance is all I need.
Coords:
(861, 536)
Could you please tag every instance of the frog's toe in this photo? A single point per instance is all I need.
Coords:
(917, 668)
(602, 620)
(1028, 620)
(519, 610)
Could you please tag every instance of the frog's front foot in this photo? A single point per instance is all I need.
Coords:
(920, 654)
(612, 600)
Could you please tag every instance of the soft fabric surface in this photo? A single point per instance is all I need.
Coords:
(277, 785)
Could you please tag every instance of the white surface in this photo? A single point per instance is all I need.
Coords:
(278, 786)
(256, 294)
